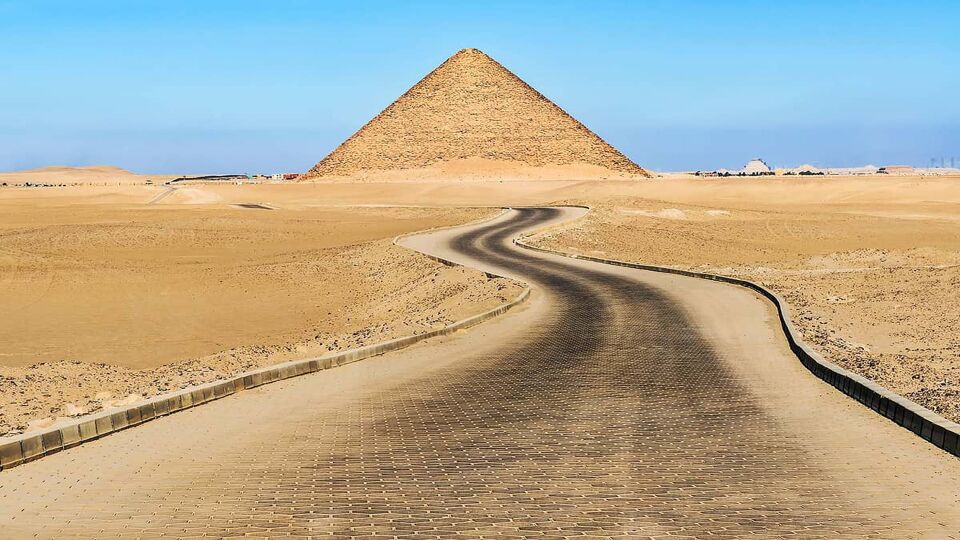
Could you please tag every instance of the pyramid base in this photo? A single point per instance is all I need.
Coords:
(480, 170)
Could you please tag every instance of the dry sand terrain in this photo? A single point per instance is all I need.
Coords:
(103, 175)
(870, 266)
(106, 298)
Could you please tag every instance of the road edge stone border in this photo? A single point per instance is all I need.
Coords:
(925, 423)
(21, 449)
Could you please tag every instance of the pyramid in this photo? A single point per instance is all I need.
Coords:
(472, 113)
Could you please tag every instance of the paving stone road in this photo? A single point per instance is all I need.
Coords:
(617, 403)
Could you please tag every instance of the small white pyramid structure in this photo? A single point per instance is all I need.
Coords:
(471, 113)
(756, 166)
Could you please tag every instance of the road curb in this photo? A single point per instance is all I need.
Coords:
(28, 447)
(925, 423)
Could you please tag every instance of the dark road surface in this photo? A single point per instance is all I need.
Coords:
(619, 403)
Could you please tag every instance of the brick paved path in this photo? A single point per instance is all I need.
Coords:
(610, 407)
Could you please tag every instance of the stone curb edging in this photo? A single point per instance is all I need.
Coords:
(927, 424)
(33, 446)
(441, 260)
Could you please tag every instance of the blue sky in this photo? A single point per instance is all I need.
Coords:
(224, 86)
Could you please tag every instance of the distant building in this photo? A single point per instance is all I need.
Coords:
(756, 167)
(718, 172)
(211, 178)
(896, 169)
(291, 176)
(853, 171)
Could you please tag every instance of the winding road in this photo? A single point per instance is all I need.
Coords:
(615, 403)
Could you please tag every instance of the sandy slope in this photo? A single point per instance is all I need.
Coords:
(872, 272)
(106, 299)
(473, 170)
(95, 175)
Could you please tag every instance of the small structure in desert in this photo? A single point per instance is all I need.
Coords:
(852, 171)
(896, 169)
(718, 173)
(472, 117)
(756, 167)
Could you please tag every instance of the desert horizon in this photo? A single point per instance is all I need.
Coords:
(462, 171)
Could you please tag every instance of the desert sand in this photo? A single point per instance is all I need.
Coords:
(108, 298)
(870, 266)
(103, 175)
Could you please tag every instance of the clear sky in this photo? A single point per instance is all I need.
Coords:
(251, 86)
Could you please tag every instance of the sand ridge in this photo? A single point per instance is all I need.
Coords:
(104, 301)
(471, 117)
(104, 175)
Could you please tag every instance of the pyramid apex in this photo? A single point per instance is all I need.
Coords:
(469, 51)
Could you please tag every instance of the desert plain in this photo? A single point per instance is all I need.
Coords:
(115, 293)
(108, 299)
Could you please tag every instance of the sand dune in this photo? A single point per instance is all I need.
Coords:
(93, 175)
